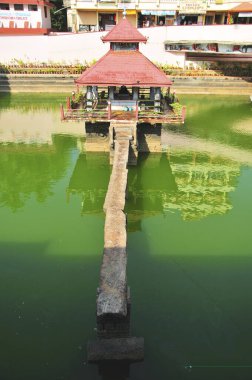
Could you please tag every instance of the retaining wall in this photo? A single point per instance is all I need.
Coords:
(182, 85)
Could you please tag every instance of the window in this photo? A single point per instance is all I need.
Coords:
(32, 7)
(18, 7)
(4, 7)
(45, 11)
(124, 46)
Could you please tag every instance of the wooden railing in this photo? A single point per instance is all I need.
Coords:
(83, 114)
(145, 111)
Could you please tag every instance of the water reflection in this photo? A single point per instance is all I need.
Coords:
(35, 127)
(90, 179)
(189, 281)
(26, 102)
(217, 118)
(196, 185)
(28, 169)
(204, 183)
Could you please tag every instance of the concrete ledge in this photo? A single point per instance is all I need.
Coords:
(130, 349)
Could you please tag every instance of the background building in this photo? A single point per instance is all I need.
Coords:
(25, 17)
(95, 15)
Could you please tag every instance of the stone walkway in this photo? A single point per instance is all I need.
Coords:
(113, 297)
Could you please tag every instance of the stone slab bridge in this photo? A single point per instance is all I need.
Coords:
(113, 295)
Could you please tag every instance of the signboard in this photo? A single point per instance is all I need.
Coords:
(192, 7)
(15, 16)
(158, 13)
(126, 6)
(245, 14)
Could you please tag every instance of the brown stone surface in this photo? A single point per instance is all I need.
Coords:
(112, 295)
(115, 197)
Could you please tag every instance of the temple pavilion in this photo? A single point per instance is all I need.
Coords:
(124, 84)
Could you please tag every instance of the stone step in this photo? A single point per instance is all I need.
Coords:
(123, 132)
(120, 122)
(119, 130)
(124, 128)
(121, 138)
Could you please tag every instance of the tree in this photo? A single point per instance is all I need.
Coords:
(59, 19)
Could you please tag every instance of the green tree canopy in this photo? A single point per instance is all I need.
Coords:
(59, 19)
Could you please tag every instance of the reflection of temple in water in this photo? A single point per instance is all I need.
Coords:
(196, 185)
(203, 185)
(90, 179)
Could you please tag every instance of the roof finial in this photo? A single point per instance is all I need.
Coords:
(124, 12)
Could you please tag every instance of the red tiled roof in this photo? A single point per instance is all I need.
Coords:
(124, 31)
(243, 7)
(129, 68)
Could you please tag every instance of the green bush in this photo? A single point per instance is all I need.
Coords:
(177, 108)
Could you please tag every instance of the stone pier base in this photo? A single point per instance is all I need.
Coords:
(130, 349)
(97, 137)
(149, 137)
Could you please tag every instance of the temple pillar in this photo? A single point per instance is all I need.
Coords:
(95, 92)
(89, 98)
(135, 93)
(157, 98)
(111, 92)
(152, 93)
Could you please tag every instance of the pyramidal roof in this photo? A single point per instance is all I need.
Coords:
(124, 31)
(129, 68)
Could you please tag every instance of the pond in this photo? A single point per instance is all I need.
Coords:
(189, 244)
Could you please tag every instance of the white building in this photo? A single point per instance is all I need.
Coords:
(24, 17)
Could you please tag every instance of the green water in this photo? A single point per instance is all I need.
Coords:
(189, 244)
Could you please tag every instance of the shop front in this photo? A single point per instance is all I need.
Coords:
(106, 20)
(87, 21)
(147, 18)
(192, 19)
(244, 18)
(242, 14)
(192, 12)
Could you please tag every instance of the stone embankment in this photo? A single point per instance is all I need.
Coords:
(182, 85)
(212, 85)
